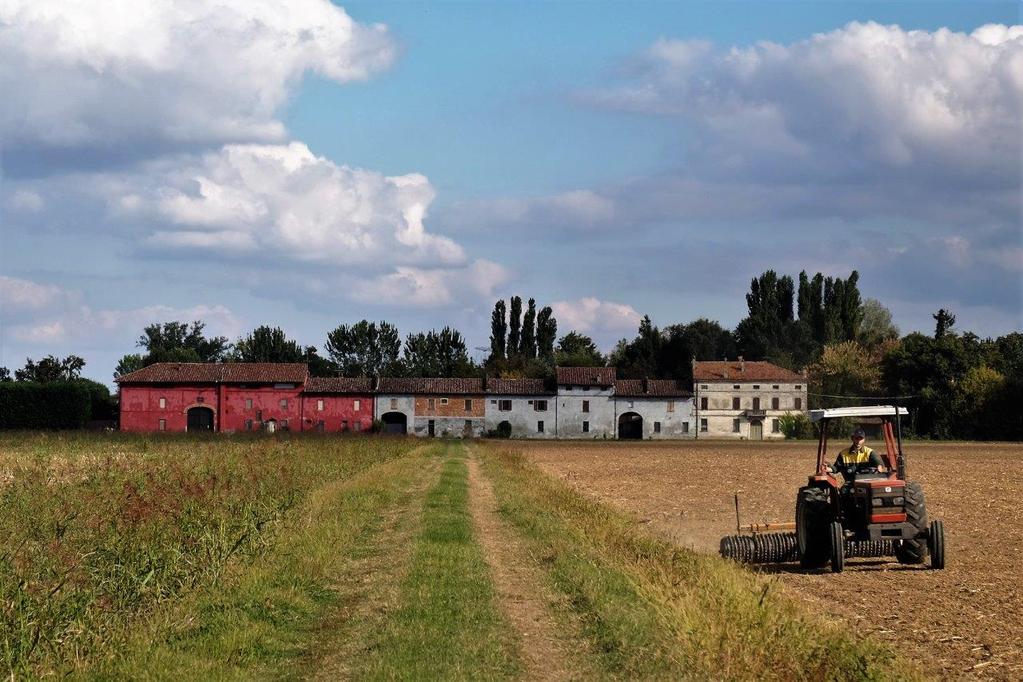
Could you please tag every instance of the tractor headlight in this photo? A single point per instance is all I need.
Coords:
(898, 501)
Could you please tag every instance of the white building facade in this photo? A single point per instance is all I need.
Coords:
(586, 406)
(653, 409)
(745, 400)
(521, 408)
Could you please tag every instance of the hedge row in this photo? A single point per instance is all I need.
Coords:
(57, 405)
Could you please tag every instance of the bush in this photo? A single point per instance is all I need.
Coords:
(796, 426)
(54, 405)
(503, 430)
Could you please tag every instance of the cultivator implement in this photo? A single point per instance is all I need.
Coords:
(776, 548)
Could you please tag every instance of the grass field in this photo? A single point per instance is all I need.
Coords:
(368, 558)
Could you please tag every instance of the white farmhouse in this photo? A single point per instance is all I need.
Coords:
(653, 409)
(744, 400)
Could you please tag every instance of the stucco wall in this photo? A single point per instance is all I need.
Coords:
(673, 423)
(141, 411)
(340, 412)
(523, 416)
(396, 402)
(720, 414)
(454, 427)
(449, 406)
(570, 414)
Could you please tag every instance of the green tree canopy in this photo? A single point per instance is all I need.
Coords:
(438, 354)
(578, 350)
(51, 368)
(365, 349)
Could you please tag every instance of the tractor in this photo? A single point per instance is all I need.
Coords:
(873, 507)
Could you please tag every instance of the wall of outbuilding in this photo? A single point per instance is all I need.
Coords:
(523, 415)
(340, 413)
(601, 415)
(141, 411)
(675, 424)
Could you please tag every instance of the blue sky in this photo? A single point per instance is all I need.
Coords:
(614, 159)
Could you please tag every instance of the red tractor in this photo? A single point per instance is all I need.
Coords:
(874, 506)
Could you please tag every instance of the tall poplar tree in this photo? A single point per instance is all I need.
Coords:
(498, 331)
(527, 342)
(515, 326)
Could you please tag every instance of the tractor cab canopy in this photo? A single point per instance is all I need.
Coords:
(892, 436)
(857, 412)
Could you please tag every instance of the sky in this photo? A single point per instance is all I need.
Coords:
(308, 164)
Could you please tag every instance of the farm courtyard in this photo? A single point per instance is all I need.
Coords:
(388, 558)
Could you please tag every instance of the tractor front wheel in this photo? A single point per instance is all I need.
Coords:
(914, 550)
(837, 547)
(813, 514)
(936, 544)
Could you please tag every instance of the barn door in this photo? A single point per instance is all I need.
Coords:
(756, 431)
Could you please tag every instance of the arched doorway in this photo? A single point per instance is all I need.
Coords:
(630, 426)
(199, 419)
(504, 429)
(395, 422)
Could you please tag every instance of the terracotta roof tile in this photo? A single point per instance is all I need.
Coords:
(430, 386)
(339, 385)
(647, 388)
(586, 376)
(733, 370)
(212, 372)
(517, 387)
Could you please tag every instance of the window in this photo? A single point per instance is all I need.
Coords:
(685, 427)
(443, 401)
(357, 406)
(735, 426)
(632, 403)
(736, 386)
(735, 403)
(344, 424)
(703, 403)
(468, 426)
(756, 387)
(394, 403)
(248, 424)
(357, 425)
(539, 427)
(703, 386)
(429, 403)
(657, 427)
(284, 425)
(200, 399)
(671, 406)
(798, 387)
(319, 406)
(163, 403)
(320, 425)
(774, 403)
(799, 403)
(586, 406)
(284, 385)
(468, 405)
(586, 427)
(504, 405)
(163, 424)
(775, 387)
(756, 403)
(248, 403)
(284, 403)
(703, 425)
(540, 405)
(775, 426)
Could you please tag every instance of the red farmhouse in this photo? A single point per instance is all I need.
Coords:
(187, 396)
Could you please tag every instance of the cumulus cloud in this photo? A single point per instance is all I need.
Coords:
(432, 287)
(120, 77)
(47, 314)
(284, 201)
(25, 200)
(594, 315)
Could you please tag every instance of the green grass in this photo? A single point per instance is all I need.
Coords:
(652, 610)
(131, 556)
(448, 624)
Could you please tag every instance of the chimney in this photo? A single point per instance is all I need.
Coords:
(742, 365)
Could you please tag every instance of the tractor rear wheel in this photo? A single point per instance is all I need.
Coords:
(914, 551)
(837, 547)
(936, 544)
(813, 514)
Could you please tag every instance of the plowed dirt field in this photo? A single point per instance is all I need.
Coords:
(963, 622)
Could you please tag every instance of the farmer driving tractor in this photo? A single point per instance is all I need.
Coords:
(857, 458)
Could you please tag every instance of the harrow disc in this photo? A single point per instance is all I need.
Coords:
(773, 548)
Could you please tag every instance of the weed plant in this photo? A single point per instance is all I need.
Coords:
(100, 530)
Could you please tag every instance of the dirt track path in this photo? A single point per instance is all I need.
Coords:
(547, 652)
(369, 586)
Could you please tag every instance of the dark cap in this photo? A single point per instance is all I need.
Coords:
(858, 433)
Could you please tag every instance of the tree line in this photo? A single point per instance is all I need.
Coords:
(957, 384)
